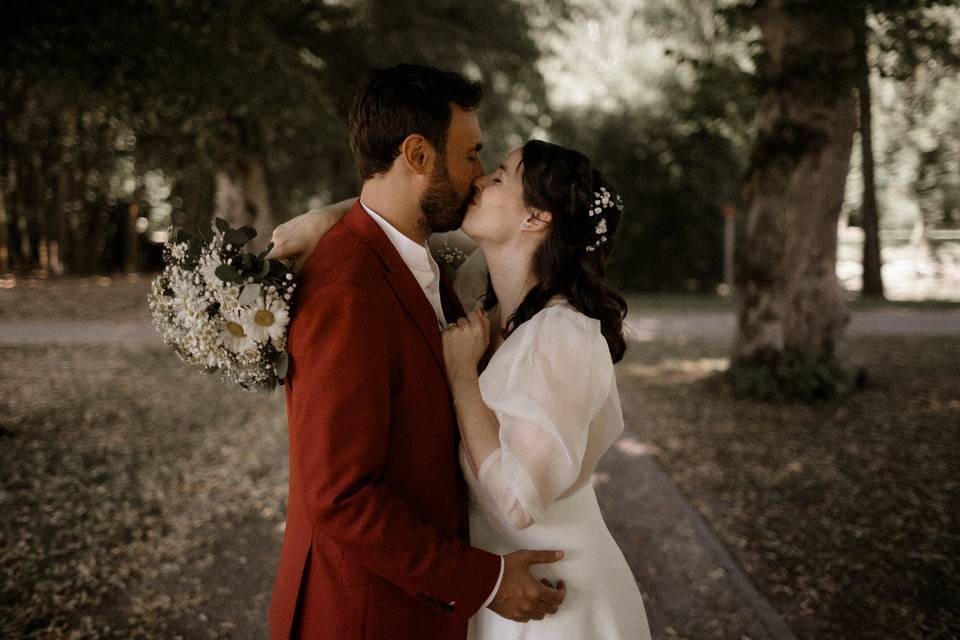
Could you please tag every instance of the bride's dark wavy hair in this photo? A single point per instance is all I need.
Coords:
(564, 182)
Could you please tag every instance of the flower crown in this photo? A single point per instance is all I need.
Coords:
(602, 200)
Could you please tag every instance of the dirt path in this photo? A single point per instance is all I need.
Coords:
(644, 327)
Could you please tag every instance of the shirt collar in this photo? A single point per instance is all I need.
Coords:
(416, 256)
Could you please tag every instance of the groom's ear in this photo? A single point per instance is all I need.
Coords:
(417, 154)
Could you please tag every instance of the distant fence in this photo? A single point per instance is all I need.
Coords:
(915, 266)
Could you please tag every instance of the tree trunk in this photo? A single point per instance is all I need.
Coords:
(36, 215)
(131, 239)
(68, 131)
(872, 278)
(14, 236)
(792, 309)
(5, 200)
(242, 198)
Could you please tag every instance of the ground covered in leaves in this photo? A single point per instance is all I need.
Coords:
(117, 299)
(144, 500)
(843, 513)
(122, 473)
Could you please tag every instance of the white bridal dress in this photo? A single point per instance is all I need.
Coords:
(552, 387)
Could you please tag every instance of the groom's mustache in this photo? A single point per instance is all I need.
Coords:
(462, 210)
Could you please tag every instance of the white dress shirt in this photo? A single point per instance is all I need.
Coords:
(424, 268)
(419, 260)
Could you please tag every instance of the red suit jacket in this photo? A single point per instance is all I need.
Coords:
(375, 545)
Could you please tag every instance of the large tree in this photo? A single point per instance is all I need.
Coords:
(792, 309)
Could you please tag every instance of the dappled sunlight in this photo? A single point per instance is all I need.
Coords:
(648, 326)
(599, 477)
(643, 329)
(634, 448)
(674, 370)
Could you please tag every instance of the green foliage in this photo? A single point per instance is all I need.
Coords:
(143, 101)
(674, 141)
(189, 87)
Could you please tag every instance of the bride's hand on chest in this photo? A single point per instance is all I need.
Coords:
(464, 346)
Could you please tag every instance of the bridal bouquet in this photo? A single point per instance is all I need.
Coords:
(224, 309)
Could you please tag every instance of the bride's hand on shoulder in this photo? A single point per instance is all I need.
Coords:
(296, 238)
(464, 344)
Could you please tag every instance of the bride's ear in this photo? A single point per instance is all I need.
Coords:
(537, 220)
(417, 154)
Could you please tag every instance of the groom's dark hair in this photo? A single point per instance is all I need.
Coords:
(399, 101)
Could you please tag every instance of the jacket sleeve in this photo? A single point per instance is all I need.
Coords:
(339, 434)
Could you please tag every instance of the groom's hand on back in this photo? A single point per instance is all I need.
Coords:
(521, 597)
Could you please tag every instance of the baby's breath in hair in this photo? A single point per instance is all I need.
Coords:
(601, 202)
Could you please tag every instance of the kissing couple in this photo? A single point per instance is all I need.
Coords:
(441, 461)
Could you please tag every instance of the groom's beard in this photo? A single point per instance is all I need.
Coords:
(443, 208)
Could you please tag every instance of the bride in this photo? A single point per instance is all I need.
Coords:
(545, 408)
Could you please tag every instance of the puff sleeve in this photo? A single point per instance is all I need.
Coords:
(555, 380)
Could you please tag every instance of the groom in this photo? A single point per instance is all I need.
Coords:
(375, 544)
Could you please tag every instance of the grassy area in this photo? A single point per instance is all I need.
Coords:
(843, 513)
(123, 474)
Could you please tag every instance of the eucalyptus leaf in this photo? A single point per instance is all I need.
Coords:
(264, 269)
(235, 237)
(222, 224)
(250, 294)
(283, 362)
(250, 232)
(228, 274)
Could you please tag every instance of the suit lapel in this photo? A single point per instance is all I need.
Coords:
(399, 277)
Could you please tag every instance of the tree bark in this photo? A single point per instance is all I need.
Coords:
(790, 300)
(872, 277)
(131, 239)
(243, 199)
(5, 200)
(14, 236)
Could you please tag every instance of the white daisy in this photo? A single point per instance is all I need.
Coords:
(267, 319)
(233, 333)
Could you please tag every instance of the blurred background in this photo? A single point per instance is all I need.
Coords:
(121, 118)
(810, 498)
